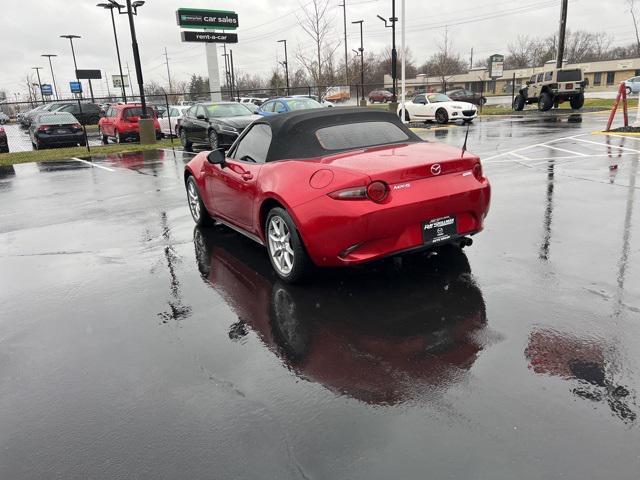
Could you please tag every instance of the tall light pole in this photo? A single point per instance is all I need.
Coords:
(394, 53)
(55, 87)
(37, 69)
(286, 64)
(361, 50)
(73, 53)
(233, 75)
(130, 10)
(227, 75)
(346, 58)
(110, 7)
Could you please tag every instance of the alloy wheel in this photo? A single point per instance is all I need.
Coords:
(280, 247)
(194, 201)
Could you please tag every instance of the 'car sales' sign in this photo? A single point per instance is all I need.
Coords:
(211, 37)
(197, 18)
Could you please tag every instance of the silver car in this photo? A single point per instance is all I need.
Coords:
(633, 85)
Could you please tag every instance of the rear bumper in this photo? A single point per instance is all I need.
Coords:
(339, 233)
(66, 139)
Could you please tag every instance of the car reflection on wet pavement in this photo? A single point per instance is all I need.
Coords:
(378, 336)
(132, 345)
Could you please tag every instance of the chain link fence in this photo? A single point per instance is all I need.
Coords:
(21, 120)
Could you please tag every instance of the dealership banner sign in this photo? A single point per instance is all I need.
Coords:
(46, 89)
(496, 66)
(210, 37)
(214, 19)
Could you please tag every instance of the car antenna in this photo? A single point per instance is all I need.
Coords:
(464, 145)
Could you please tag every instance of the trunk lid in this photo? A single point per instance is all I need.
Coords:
(404, 162)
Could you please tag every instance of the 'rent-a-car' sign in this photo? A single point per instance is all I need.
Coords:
(215, 19)
(211, 37)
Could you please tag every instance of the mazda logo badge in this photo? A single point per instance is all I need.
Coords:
(436, 169)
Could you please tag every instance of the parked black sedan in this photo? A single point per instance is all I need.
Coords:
(56, 130)
(90, 114)
(462, 95)
(214, 124)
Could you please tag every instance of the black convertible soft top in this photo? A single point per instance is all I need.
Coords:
(294, 133)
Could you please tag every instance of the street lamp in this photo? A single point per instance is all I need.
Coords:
(394, 53)
(286, 63)
(361, 50)
(110, 7)
(131, 9)
(37, 69)
(73, 53)
(55, 88)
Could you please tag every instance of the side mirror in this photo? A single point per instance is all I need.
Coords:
(217, 157)
(281, 110)
(201, 117)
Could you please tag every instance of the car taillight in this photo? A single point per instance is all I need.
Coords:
(477, 171)
(377, 191)
(76, 126)
(43, 128)
(355, 193)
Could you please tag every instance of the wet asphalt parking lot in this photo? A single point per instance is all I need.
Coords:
(133, 346)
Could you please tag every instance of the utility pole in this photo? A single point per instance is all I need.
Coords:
(286, 64)
(363, 102)
(55, 87)
(227, 80)
(346, 58)
(394, 53)
(233, 75)
(471, 59)
(37, 69)
(168, 73)
(561, 33)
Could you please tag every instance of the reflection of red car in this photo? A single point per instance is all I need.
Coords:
(379, 341)
(338, 187)
(120, 122)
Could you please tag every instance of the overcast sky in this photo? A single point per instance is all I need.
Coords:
(29, 28)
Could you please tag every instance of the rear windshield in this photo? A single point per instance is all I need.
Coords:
(227, 110)
(358, 135)
(137, 112)
(570, 75)
(56, 119)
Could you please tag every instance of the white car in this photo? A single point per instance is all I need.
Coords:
(175, 112)
(425, 107)
(632, 85)
(255, 100)
(4, 118)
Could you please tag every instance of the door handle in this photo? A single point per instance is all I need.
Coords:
(247, 176)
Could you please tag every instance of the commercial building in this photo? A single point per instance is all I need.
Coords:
(601, 76)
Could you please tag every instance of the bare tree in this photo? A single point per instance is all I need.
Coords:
(445, 62)
(316, 23)
(632, 10)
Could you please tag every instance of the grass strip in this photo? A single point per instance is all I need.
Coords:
(52, 154)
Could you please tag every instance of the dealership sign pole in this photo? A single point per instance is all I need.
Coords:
(193, 18)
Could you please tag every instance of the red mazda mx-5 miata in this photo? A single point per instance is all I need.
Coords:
(337, 187)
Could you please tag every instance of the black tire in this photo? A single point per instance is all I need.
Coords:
(300, 263)
(117, 137)
(628, 92)
(213, 139)
(198, 211)
(482, 101)
(104, 138)
(186, 144)
(371, 100)
(518, 103)
(407, 117)
(577, 101)
(442, 116)
(385, 100)
(176, 129)
(545, 102)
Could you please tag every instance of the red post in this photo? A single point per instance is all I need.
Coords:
(614, 109)
(623, 90)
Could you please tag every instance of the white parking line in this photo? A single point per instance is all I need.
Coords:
(564, 150)
(605, 145)
(93, 164)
